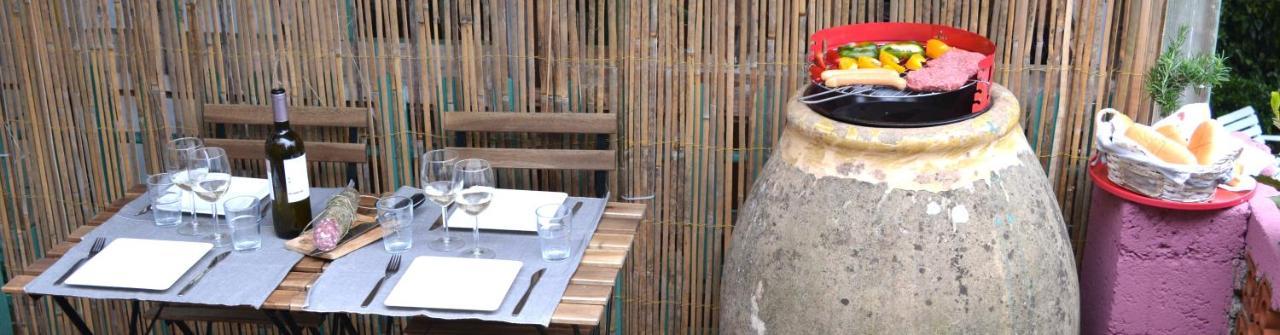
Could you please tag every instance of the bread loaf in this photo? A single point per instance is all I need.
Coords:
(1120, 121)
(1171, 131)
(1158, 145)
(1209, 142)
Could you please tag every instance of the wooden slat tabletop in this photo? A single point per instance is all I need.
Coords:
(583, 303)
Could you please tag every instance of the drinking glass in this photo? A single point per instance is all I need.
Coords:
(177, 160)
(475, 180)
(242, 219)
(439, 186)
(210, 175)
(395, 216)
(553, 232)
(165, 200)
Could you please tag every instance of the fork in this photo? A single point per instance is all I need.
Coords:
(98, 244)
(393, 266)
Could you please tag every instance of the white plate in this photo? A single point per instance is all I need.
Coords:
(139, 264)
(454, 283)
(509, 210)
(255, 187)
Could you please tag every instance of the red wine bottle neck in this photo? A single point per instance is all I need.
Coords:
(280, 107)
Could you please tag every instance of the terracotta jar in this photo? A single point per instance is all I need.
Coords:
(858, 230)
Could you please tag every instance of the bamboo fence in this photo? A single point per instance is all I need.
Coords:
(90, 89)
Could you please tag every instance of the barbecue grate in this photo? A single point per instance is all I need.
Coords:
(825, 93)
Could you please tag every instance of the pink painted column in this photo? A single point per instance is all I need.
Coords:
(1263, 240)
(1148, 270)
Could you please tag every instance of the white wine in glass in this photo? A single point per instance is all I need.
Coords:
(177, 162)
(210, 176)
(440, 187)
(475, 177)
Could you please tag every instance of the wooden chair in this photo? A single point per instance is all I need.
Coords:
(602, 159)
(233, 130)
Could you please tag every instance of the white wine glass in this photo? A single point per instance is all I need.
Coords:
(439, 186)
(210, 174)
(475, 181)
(177, 161)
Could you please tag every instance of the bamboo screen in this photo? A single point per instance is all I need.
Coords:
(90, 88)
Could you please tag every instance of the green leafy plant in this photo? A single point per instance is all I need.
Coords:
(1174, 72)
(1275, 109)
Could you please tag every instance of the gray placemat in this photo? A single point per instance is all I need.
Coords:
(245, 278)
(347, 280)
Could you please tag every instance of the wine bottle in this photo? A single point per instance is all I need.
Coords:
(287, 170)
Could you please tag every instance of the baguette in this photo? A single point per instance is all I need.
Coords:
(1209, 142)
(1159, 146)
(1171, 131)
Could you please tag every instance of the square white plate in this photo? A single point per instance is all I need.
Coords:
(454, 283)
(509, 210)
(139, 264)
(255, 187)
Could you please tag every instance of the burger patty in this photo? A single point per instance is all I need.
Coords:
(946, 73)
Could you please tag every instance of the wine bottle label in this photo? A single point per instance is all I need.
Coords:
(295, 179)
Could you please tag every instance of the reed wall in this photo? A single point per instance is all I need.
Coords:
(89, 89)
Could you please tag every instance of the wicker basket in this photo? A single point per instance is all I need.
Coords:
(1147, 179)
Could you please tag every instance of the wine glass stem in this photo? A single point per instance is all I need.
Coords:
(444, 216)
(475, 233)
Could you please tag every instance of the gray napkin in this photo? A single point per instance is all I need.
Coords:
(347, 281)
(245, 278)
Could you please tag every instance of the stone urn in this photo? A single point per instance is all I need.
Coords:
(950, 229)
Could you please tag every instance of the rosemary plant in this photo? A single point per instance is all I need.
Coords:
(1174, 72)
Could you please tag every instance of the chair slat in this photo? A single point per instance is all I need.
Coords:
(316, 151)
(348, 117)
(1239, 114)
(566, 123)
(558, 159)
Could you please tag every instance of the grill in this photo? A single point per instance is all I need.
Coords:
(878, 106)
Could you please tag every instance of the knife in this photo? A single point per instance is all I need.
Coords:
(216, 259)
(351, 234)
(533, 281)
(417, 198)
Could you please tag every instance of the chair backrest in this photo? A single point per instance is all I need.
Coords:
(602, 159)
(317, 151)
(1243, 120)
(558, 123)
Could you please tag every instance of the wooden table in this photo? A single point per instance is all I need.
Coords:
(583, 304)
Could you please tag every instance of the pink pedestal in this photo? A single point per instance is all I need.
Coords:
(1148, 270)
(1263, 240)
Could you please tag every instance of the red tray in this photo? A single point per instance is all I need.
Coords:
(1221, 198)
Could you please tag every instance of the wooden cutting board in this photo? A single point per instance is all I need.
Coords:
(303, 243)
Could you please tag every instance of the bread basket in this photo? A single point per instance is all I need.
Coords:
(1129, 166)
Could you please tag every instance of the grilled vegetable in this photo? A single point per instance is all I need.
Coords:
(915, 62)
(902, 50)
(846, 63)
(862, 49)
(935, 48)
(890, 61)
(887, 58)
(865, 62)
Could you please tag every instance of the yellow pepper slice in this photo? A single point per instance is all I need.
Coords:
(895, 67)
(865, 62)
(887, 58)
(915, 62)
(846, 63)
(935, 48)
